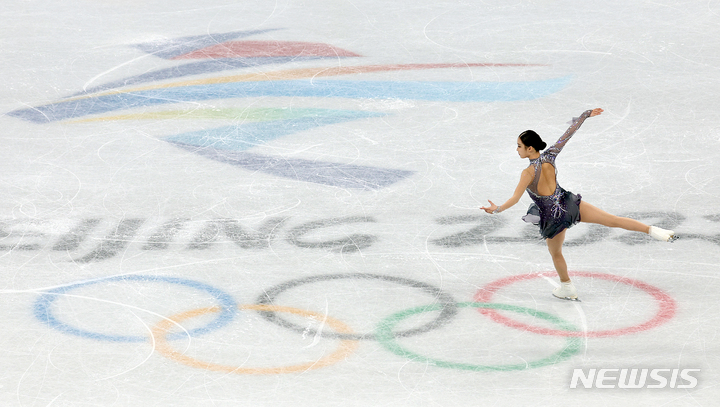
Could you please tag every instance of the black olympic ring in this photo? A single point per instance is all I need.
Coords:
(448, 311)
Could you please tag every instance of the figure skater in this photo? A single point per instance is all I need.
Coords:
(555, 209)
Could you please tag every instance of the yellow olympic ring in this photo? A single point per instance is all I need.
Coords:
(160, 332)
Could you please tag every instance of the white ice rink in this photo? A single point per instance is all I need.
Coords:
(275, 203)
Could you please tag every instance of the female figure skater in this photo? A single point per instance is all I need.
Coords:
(555, 209)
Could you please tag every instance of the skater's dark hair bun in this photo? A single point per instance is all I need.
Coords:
(532, 139)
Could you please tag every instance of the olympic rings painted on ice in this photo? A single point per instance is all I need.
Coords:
(443, 303)
(43, 308)
(387, 339)
(344, 349)
(445, 300)
(666, 305)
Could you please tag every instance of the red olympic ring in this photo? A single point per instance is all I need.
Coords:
(666, 311)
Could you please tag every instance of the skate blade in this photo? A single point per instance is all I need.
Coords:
(673, 238)
(576, 299)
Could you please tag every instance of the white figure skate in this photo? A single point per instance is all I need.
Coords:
(662, 234)
(566, 291)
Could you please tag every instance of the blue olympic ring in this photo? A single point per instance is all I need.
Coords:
(43, 312)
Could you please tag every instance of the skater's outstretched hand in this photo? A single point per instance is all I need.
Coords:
(491, 208)
(596, 112)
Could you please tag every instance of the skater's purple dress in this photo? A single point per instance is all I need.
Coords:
(561, 210)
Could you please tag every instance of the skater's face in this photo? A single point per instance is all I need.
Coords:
(524, 151)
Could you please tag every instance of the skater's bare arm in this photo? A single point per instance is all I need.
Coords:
(525, 180)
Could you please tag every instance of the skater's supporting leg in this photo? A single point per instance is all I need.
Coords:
(555, 247)
(592, 214)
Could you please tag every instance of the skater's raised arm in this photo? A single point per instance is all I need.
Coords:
(555, 149)
(525, 180)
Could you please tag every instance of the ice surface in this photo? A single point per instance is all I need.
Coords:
(253, 203)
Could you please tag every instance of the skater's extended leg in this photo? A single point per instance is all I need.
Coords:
(555, 247)
(592, 214)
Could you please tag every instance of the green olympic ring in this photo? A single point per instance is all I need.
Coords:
(388, 340)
